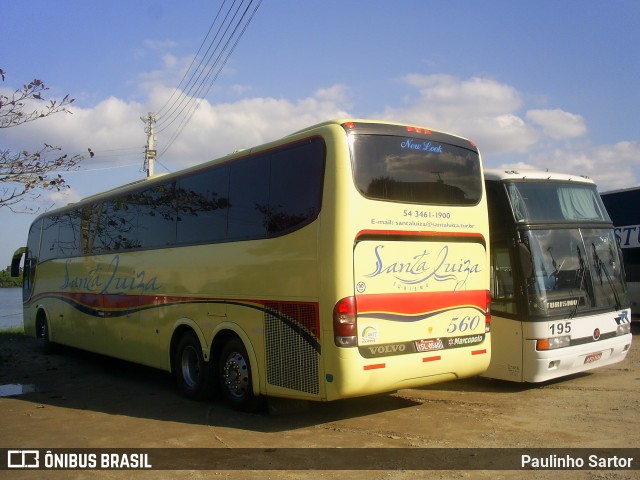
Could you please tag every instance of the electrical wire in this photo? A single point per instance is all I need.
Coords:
(189, 95)
(206, 84)
(197, 55)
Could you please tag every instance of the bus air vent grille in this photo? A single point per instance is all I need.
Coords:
(292, 347)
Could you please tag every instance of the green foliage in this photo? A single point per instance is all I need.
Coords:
(7, 281)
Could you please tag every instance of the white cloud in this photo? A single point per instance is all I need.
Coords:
(172, 72)
(558, 124)
(336, 94)
(110, 124)
(451, 97)
(114, 131)
(480, 109)
(610, 166)
(219, 129)
(518, 166)
(494, 115)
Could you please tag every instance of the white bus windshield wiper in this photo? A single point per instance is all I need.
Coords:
(600, 268)
(583, 270)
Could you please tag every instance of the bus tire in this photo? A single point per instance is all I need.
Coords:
(44, 334)
(192, 372)
(234, 376)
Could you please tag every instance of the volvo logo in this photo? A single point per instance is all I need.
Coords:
(596, 334)
(387, 349)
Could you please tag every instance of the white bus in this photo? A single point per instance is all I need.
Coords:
(347, 259)
(623, 207)
(559, 299)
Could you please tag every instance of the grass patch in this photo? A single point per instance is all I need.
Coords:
(12, 333)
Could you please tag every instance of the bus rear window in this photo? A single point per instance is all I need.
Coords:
(414, 170)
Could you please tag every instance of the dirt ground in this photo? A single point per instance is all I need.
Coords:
(78, 400)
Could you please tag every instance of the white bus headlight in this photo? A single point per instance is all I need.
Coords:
(553, 343)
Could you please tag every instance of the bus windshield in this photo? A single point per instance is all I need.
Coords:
(555, 202)
(574, 270)
(415, 170)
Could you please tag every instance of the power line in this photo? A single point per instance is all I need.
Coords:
(188, 95)
(196, 99)
(177, 89)
(101, 168)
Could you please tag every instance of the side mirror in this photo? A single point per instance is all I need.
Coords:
(15, 261)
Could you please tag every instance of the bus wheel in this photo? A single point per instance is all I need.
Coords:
(42, 333)
(191, 371)
(234, 373)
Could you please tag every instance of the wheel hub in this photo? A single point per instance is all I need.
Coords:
(236, 378)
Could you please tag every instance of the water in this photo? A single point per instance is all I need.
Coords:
(15, 389)
(10, 308)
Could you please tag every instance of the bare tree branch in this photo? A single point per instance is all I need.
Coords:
(23, 175)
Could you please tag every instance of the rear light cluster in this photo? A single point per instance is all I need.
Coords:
(414, 130)
(345, 331)
(487, 318)
(425, 131)
(418, 130)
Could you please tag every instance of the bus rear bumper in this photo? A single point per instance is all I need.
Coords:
(354, 376)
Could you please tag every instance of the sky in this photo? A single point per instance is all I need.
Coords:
(546, 84)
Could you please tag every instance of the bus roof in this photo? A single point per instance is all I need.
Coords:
(341, 121)
(121, 189)
(498, 174)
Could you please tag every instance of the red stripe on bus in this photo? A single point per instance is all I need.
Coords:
(374, 366)
(420, 302)
(478, 352)
(432, 359)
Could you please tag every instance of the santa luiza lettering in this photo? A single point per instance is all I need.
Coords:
(110, 280)
(425, 266)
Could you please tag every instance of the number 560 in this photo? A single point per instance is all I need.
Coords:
(463, 324)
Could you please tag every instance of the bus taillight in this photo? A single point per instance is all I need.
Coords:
(487, 321)
(418, 130)
(344, 323)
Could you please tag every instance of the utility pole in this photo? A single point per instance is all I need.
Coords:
(149, 150)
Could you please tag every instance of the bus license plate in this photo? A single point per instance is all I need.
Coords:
(593, 357)
(429, 345)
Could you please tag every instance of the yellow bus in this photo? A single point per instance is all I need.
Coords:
(347, 259)
(560, 304)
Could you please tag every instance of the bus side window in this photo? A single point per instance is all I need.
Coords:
(502, 282)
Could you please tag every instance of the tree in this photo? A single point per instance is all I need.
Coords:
(24, 175)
